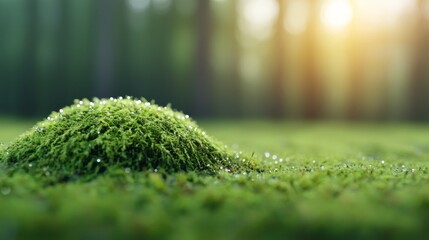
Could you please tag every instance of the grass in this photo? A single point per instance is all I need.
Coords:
(321, 180)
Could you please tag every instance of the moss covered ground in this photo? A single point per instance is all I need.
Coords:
(320, 180)
(92, 137)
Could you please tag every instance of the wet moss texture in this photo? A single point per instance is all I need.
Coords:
(88, 138)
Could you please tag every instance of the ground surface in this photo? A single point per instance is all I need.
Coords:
(323, 180)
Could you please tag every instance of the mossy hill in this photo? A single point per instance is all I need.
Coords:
(126, 134)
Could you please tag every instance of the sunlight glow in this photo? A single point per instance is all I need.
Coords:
(258, 17)
(337, 14)
(296, 18)
(382, 13)
(260, 13)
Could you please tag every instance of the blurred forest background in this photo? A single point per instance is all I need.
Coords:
(291, 59)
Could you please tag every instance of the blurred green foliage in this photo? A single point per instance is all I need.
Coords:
(218, 58)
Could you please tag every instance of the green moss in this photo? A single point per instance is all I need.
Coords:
(320, 181)
(92, 137)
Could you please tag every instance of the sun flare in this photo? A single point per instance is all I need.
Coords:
(336, 14)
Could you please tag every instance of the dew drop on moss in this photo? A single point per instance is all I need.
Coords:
(6, 190)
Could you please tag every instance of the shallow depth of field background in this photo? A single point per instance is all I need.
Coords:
(287, 59)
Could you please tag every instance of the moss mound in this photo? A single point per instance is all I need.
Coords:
(92, 137)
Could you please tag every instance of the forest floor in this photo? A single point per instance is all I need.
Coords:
(323, 180)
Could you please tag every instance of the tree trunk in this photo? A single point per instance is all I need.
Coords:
(356, 88)
(203, 62)
(27, 103)
(313, 99)
(419, 102)
(122, 54)
(237, 91)
(278, 79)
(105, 53)
(61, 70)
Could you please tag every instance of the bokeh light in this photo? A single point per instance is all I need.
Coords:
(258, 17)
(336, 14)
(138, 5)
